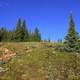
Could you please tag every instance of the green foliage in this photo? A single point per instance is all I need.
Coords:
(41, 63)
(4, 34)
(20, 34)
(31, 36)
(37, 35)
(25, 34)
(18, 31)
(71, 40)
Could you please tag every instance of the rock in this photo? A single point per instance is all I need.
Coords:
(6, 50)
(2, 70)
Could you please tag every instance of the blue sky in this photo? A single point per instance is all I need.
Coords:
(50, 16)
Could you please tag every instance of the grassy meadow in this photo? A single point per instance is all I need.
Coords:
(39, 61)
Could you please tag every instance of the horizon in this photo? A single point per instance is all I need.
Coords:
(50, 16)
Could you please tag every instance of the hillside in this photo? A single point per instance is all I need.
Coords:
(37, 61)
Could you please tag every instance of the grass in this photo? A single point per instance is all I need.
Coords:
(42, 63)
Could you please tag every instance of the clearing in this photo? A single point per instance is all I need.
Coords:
(37, 61)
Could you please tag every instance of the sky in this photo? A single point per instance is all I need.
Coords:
(50, 16)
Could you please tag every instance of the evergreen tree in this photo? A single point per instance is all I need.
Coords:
(71, 40)
(25, 35)
(31, 36)
(0, 35)
(12, 36)
(37, 35)
(4, 34)
(18, 31)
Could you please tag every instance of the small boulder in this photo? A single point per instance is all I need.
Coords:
(2, 70)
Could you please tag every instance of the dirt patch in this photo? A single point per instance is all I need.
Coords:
(7, 54)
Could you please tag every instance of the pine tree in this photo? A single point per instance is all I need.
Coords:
(31, 36)
(11, 36)
(0, 35)
(5, 34)
(18, 31)
(71, 40)
(25, 34)
(37, 35)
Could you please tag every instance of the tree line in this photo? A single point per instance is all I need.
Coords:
(71, 41)
(20, 33)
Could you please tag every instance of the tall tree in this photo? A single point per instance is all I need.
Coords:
(31, 36)
(18, 31)
(71, 40)
(37, 35)
(25, 34)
